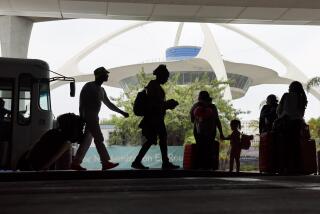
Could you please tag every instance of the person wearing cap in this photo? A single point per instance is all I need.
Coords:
(204, 115)
(152, 124)
(268, 114)
(91, 96)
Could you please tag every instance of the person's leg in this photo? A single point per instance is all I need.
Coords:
(144, 149)
(237, 158)
(198, 155)
(197, 152)
(148, 131)
(231, 160)
(82, 150)
(162, 132)
(296, 149)
(94, 128)
(64, 147)
(201, 153)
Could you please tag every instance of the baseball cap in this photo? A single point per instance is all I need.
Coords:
(101, 71)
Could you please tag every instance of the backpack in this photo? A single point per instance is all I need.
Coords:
(246, 141)
(204, 120)
(140, 103)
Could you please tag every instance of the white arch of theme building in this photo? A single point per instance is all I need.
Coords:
(208, 52)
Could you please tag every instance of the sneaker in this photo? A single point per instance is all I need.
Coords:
(109, 165)
(138, 165)
(169, 166)
(77, 167)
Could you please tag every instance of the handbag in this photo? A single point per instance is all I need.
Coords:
(246, 141)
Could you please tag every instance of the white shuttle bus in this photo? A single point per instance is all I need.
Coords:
(26, 113)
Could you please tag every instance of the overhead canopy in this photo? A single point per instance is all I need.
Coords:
(221, 11)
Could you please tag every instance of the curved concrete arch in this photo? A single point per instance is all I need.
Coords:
(210, 52)
(292, 73)
(70, 68)
(178, 34)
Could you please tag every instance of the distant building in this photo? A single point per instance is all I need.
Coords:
(192, 62)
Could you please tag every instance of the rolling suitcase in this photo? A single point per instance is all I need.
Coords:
(211, 156)
(266, 154)
(308, 157)
(189, 156)
(215, 155)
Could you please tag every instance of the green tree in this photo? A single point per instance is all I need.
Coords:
(315, 81)
(179, 127)
(314, 126)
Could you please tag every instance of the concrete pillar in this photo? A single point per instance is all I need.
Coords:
(14, 36)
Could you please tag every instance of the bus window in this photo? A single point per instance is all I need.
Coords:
(6, 93)
(25, 87)
(6, 90)
(44, 98)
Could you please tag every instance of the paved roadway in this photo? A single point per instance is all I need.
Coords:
(168, 192)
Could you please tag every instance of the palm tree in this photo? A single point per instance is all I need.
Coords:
(315, 81)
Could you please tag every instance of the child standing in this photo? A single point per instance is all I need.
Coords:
(235, 142)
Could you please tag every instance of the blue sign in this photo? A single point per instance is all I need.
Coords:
(124, 155)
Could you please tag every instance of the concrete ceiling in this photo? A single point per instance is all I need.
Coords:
(214, 11)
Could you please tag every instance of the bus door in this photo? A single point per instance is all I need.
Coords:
(21, 134)
(6, 109)
(42, 114)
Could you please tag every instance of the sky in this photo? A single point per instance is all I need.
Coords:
(57, 41)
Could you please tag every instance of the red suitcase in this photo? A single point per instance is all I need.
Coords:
(212, 156)
(189, 156)
(266, 156)
(215, 155)
(308, 156)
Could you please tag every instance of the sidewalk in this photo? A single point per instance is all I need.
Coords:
(219, 193)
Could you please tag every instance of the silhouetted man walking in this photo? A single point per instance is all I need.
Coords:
(91, 96)
(152, 124)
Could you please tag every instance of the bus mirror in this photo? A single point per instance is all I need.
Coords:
(72, 89)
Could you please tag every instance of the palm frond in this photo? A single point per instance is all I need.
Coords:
(315, 81)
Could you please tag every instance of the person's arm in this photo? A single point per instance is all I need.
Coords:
(281, 105)
(226, 138)
(111, 106)
(191, 114)
(218, 122)
(65, 146)
(262, 119)
(170, 104)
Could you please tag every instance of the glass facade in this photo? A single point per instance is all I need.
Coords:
(186, 77)
(182, 52)
(239, 81)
